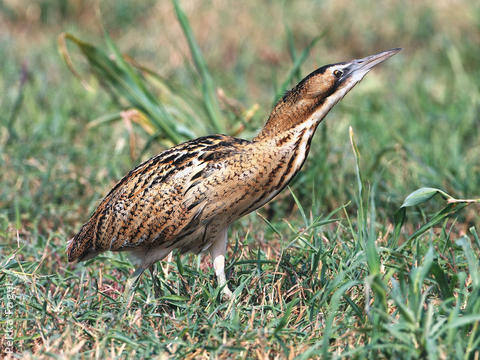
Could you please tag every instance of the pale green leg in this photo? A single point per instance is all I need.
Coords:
(130, 285)
(218, 251)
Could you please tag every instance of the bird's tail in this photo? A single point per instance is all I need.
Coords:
(81, 246)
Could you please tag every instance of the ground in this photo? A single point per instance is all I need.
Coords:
(334, 267)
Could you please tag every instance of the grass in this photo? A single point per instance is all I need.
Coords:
(345, 264)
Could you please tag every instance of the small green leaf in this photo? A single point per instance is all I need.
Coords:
(422, 195)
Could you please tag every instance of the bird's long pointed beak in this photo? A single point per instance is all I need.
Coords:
(362, 66)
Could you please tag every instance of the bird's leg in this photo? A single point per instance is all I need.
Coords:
(155, 280)
(131, 282)
(217, 252)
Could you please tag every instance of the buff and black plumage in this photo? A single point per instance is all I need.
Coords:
(186, 197)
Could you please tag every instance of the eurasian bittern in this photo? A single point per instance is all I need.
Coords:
(186, 197)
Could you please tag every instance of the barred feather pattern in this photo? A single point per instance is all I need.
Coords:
(186, 197)
(183, 197)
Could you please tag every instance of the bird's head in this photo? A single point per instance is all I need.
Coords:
(319, 91)
(332, 82)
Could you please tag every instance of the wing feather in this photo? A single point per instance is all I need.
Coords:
(158, 201)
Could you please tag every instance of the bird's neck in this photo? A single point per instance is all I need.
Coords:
(293, 115)
(288, 134)
(289, 146)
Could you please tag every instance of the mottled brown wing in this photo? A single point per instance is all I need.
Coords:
(154, 203)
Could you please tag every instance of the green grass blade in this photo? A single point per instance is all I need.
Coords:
(399, 220)
(299, 206)
(446, 212)
(145, 98)
(373, 258)
(295, 68)
(208, 87)
(441, 278)
(286, 316)
(472, 260)
(332, 312)
(462, 321)
(473, 231)
(124, 82)
(292, 51)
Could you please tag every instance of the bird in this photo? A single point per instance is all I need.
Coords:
(187, 196)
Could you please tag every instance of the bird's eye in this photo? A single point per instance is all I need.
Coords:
(338, 73)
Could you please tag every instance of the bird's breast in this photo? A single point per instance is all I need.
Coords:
(246, 182)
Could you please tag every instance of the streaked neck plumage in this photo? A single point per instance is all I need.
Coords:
(292, 113)
(310, 101)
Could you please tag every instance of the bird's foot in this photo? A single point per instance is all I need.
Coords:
(129, 290)
(227, 294)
